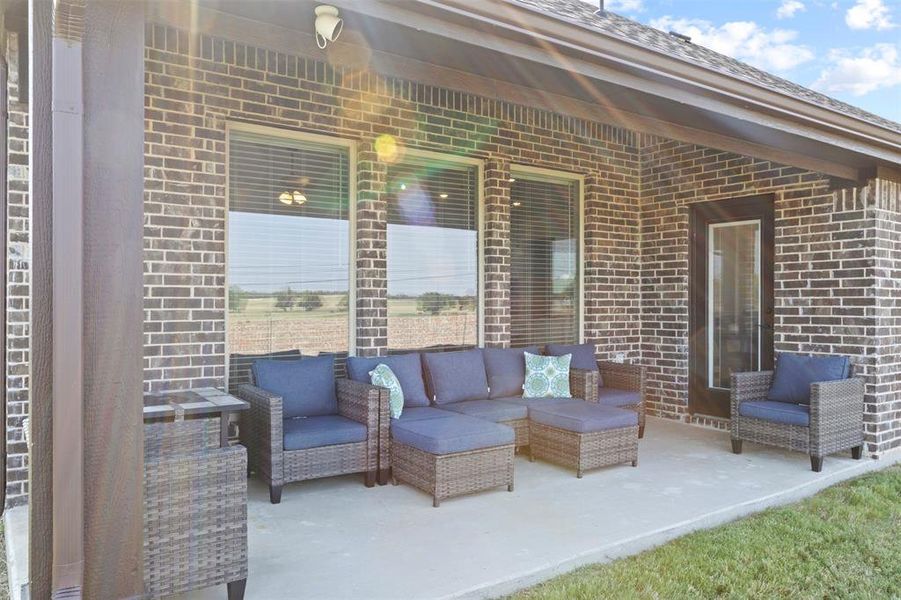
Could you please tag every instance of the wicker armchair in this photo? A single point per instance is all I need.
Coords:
(836, 418)
(262, 432)
(195, 510)
(620, 376)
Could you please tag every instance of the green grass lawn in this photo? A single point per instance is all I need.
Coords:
(845, 542)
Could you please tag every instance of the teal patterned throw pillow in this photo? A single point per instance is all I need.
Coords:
(383, 376)
(547, 376)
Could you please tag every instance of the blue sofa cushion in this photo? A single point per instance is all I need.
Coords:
(506, 370)
(776, 412)
(456, 376)
(583, 417)
(795, 372)
(456, 433)
(491, 410)
(406, 367)
(615, 397)
(307, 386)
(530, 403)
(313, 432)
(583, 355)
(418, 413)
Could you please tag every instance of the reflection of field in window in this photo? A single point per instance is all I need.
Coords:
(432, 255)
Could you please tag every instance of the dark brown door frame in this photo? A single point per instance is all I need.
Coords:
(701, 398)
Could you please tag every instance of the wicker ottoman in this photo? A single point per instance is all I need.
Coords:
(583, 436)
(452, 455)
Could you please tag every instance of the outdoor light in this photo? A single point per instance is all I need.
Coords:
(328, 25)
(285, 198)
(517, 203)
(403, 186)
(298, 197)
(512, 179)
(442, 195)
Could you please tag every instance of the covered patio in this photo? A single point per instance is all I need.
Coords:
(388, 542)
(223, 188)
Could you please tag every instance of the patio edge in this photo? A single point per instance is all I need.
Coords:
(637, 544)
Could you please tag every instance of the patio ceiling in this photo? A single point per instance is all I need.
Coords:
(502, 50)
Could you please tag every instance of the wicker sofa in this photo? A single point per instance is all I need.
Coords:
(447, 393)
(832, 421)
(290, 443)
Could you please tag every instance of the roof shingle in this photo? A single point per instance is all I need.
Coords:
(582, 13)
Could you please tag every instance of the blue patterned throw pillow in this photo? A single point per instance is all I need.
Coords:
(547, 376)
(383, 376)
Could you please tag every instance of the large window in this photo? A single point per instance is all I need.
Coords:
(433, 255)
(545, 273)
(288, 248)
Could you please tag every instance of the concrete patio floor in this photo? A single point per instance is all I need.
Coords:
(334, 538)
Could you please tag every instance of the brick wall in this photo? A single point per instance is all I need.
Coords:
(18, 288)
(195, 86)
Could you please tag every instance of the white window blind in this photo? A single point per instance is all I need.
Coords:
(432, 255)
(288, 249)
(544, 261)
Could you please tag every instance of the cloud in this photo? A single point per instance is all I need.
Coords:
(860, 73)
(770, 50)
(789, 9)
(869, 14)
(624, 5)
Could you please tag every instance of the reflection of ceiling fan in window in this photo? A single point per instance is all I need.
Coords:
(296, 197)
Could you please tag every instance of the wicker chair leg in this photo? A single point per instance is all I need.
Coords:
(275, 494)
(857, 452)
(510, 488)
(236, 589)
(640, 431)
(816, 463)
(384, 476)
(736, 446)
(635, 463)
(370, 477)
(435, 502)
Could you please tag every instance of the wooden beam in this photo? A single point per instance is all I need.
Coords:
(113, 297)
(68, 364)
(40, 178)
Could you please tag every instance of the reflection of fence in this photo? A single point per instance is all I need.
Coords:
(258, 336)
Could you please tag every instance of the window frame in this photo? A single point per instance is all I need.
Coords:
(350, 146)
(531, 172)
(417, 155)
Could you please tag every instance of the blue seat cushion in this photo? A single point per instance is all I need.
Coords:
(795, 372)
(456, 376)
(492, 410)
(583, 417)
(456, 433)
(583, 355)
(406, 367)
(314, 432)
(307, 386)
(615, 397)
(506, 370)
(530, 403)
(776, 412)
(417, 413)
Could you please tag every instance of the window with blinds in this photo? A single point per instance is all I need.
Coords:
(288, 249)
(544, 261)
(433, 254)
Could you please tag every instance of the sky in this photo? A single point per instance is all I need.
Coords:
(847, 49)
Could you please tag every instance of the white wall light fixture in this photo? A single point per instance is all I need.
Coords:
(328, 25)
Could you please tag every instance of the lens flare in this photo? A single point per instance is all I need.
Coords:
(388, 149)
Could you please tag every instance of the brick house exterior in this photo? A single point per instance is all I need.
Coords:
(838, 254)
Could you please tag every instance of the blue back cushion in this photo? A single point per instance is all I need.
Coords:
(406, 367)
(307, 386)
(795, 372)
(456, 376)
(583, 355)
(506, 370)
